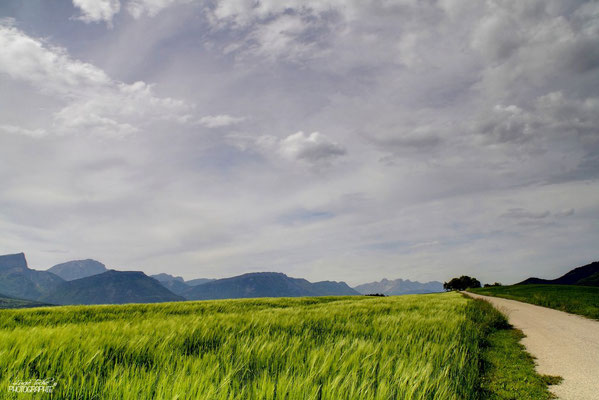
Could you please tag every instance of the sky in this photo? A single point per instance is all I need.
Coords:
(348, 140)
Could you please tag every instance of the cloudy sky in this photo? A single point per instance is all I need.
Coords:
(328, 139)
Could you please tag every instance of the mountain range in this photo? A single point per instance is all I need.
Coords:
(399, 287)
(587, 275)
(266, 284)
(89, 282)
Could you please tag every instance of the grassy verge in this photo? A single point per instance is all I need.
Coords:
(507, 371)
(581, 300)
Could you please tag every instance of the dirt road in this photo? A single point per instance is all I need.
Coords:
(564, 344)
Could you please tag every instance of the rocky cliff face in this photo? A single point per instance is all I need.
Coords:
(10, 261)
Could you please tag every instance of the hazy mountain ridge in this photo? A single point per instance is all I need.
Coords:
(399, 287)
(198, 281)
(78, 269)
(175, 284)
(587, 275)
(265, 284)
(162, 277)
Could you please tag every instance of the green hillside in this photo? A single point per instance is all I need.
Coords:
(358, 347)
(582, 300)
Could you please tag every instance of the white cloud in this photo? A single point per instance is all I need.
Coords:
(18, 130)
(138, 8)
(497, 36)
(94, 102)
(313, 148)
(551, 115)
(219, 121)
(282, 38)
(97, 10)
(47, 67)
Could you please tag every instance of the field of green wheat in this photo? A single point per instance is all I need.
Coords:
(407, 347)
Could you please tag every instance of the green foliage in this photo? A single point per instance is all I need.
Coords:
(580, 300)
(493, 284)
(462, 283)
(408, 347)
(592, 280)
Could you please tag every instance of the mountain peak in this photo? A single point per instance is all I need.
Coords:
(112, 287)
(13, 261)
(78, 269)
(587, 275)
(162, 277)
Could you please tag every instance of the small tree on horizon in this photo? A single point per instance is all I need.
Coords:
(462, 283)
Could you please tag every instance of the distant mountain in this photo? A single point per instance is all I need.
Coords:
(162, 277)
(199, 281)
(11, 302)
(112, 287)
(78, 269)
(175, 284)
(399, 286)
(587, 275)
(9, 261)
(17, 280)
(265, 284)
(331, 288)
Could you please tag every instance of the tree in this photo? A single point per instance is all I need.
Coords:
(462, 283)
(494, 284)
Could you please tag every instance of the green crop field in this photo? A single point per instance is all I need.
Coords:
(582, 300)
(408, 347)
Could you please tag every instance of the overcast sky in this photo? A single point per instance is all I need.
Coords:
(327, 139)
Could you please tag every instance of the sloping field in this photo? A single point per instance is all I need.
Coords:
(582, 300)
(409, 347)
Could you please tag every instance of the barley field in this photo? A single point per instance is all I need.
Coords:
(407, 347)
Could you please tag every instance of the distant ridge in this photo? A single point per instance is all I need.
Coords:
(399, 287)
(587, 275)
(112, 287)
(199, 281)
(78, 269)
(265, 284)
(175, 284)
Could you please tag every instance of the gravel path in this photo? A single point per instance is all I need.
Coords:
(563, 344)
